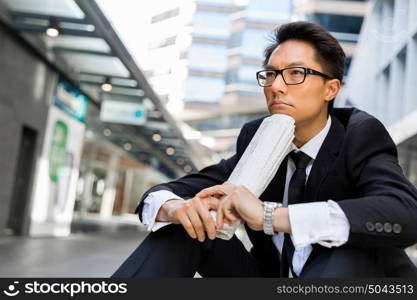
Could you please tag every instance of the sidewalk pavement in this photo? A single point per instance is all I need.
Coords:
(79, 255)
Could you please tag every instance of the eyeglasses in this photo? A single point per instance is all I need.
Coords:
(291, 76)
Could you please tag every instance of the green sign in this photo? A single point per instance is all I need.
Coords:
(57, 153)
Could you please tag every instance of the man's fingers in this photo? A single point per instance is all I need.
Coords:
(219, 218)
(197, 224)
(214, 190)
(207, 219)
(223, 212)
(228, 211)
(231, 217)
(186, 223)
(212, 203)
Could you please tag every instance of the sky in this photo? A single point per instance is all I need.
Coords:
(131, 21)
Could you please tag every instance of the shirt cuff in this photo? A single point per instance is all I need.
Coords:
(339, 226)
(151, 206)
(324, 223)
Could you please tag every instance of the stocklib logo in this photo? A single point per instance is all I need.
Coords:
(12, 291)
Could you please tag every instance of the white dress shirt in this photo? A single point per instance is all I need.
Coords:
(324, 222)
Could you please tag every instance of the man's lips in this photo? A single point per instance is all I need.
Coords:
(278, 102)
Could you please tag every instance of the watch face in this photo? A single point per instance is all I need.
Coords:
(272, 204)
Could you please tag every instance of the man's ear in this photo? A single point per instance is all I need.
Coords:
(332, 89)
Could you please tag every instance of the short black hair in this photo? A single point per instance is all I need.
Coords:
(329, 54)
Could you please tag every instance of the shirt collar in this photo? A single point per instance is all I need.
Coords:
(312, 147)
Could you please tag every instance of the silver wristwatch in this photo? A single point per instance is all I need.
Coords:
(269, 208)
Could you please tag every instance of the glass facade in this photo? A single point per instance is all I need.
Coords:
(208, 52)
(338, 23)
(211, 24)
(208, 57)
(269, 10)
(204, 89)
(247, 74)
(254, 42)
(382, 79)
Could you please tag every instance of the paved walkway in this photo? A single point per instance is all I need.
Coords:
(80, 255)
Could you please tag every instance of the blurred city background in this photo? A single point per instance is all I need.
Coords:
(102, 99)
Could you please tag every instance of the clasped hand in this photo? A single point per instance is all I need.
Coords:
(237, 202)
(232, 202)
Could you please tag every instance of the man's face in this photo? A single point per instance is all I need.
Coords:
(304, 102)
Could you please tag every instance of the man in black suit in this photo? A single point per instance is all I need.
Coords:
(348, 210)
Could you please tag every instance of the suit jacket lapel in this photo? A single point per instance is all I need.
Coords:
(325, 159)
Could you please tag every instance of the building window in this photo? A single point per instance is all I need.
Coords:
(232, 76)
(269, 10)
(235, 39)
(254, 43)
(247, 74)
(206, 57)
(163, 43)
(204, 89)
(211, 24)
(165, 15)
(244, 74)
(347, 65)
(338, 23)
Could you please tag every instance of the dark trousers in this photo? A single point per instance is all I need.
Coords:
(170, 252)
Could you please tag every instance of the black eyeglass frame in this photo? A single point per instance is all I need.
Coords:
(307, 71)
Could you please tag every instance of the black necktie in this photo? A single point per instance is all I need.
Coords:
(295, 195)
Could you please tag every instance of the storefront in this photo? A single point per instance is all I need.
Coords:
(111, 181)
(57, 167)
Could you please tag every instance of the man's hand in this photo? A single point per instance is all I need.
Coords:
(192, 214)
(238, 202)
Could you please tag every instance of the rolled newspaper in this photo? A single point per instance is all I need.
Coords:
(261, 160)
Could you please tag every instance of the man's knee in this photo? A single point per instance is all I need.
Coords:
(169, 246)
(174, 235)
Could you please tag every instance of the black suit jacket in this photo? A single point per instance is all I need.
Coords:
(357, 167)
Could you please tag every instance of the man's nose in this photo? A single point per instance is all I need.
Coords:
(279, 84)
